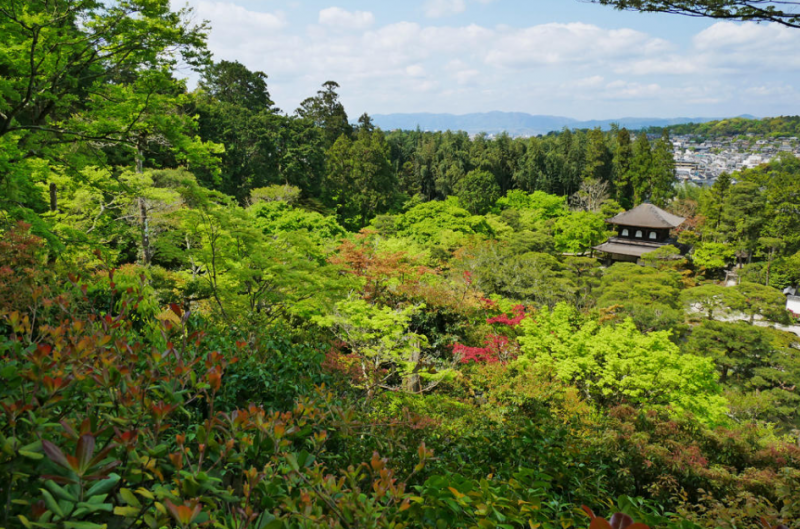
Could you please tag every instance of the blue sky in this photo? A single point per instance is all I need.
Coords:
(557, 57)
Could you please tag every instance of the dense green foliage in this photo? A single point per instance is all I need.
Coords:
(782, 126)
(214, 314)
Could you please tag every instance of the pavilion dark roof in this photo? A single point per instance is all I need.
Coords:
(617, 245)
(647, 216)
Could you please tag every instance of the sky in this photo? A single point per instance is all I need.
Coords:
(556, 57)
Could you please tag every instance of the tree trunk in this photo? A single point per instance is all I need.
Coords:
(139, 159)
(53, 197)
(769, 265)
(147, 252)
(412, 383)
(144, 224)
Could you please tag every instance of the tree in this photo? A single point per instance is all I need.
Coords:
(478, 191)
(360, 182)
(622, 160)
(711, 299)
(90, 83)
(667, 257)
(591, 196)
(327, 112)
(743, 218)
(779, 183)
(597, 165)
(387, 349)
(232, 83)
(365, 123)
(585, 273)
(577, 232)
(713, 202)
(641, 169)
(88, 73)
(736, 348)
(753, 10)
(545, 205)
(528, 277)
(278, 193)
(250, 157)
(760, 368)
(772, 245)
(442, 225)
(262, 147)
(614, 364)
(650, 297)
(713, 256)
(278, 217)
(663, 178)
(254, 269)
(759, 300)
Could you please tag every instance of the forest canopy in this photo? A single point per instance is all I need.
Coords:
(214, 312)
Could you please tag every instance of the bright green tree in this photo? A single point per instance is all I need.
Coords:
(386, 347)
(614, 364)
(577, 232)
(88, 74)
(713, 256)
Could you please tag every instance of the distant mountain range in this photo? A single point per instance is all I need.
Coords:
(516, 123)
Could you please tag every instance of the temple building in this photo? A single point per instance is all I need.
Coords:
(641, 230)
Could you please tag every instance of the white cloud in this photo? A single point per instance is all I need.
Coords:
(759, 46)
(554, 44)
(628, 90)
(443, 8)
(455, 65)
(425, 86)
(664, 65)
(467, 77)
(415, 70)
(565, 69)
(588, 82)
(775, 92)
(230, 18)
(342, 19)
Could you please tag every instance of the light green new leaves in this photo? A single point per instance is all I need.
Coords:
(432, 222)
(580, 230)
(616, 364)
(378, 333)
(381, 338)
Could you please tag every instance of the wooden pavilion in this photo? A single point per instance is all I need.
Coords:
(643, 229)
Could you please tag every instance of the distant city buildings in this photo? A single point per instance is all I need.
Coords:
(701, 162)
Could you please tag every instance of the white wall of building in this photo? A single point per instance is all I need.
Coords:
(793, 304)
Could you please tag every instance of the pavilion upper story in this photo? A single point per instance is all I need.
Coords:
(641, 230)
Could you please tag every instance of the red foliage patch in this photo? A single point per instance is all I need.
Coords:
(519, 315)
(497, 349)
(345, 365)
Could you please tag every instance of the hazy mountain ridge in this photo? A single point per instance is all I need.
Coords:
(516, 123)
